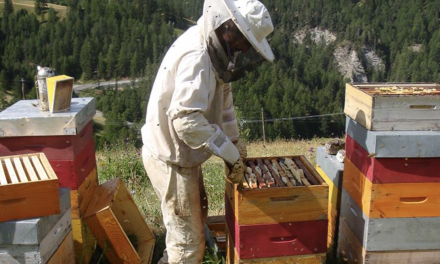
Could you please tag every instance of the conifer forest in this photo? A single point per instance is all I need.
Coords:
(318, 45)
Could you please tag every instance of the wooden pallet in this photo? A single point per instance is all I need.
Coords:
(115, 221)
(387, 111)
(392, 170)
(280, 204)
(27, 181)
(391, 200)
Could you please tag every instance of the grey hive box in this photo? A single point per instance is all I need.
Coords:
(32, 231)
(24, 118)
(394, 144)
(38, 253)
(332, 168)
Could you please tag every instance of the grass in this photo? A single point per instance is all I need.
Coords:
(30, 7)
(125, 162)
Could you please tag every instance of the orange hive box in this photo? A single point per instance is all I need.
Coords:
(117, 224)
(28, 187)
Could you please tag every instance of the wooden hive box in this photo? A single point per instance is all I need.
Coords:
(331, 171)
(392, 170)
(38, 253)
(217, 228)
(59, 93)
(24, 119)
(350, 250)
(33, 230)
(72, 173)
(64, 253)
(84, 241)
(29, 183)
(119, 227)
(59, 147)
(394, 144)
(394, 106)
(232, 257)
(265, 222)
(391, 200)
(390, 234)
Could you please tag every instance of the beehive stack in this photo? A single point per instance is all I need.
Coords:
(280, 213)
(35, 216)
(331, 170)
(390, 199)
(67, 141)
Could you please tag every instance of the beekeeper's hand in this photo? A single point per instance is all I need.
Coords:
(235, 172)
(241, 146)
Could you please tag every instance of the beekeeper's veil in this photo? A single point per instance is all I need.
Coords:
(252, 19)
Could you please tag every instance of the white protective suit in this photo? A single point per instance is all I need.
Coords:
(190, 116)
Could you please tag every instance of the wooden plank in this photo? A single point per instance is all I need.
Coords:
(392, 200)
(11, 171)
(47, 167)
(20, 170)
(42, 175)
(392, 170)
(30, 169)
(65, 253)
(3, 179)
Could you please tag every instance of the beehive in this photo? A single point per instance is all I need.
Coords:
(287, 202)
(118, 226)
(394, 106)
(27, 181)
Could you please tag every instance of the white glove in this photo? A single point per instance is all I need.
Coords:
(235, 172)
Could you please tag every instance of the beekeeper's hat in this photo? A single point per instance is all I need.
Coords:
(253, 20)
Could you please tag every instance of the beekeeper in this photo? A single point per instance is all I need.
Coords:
(191, 116)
